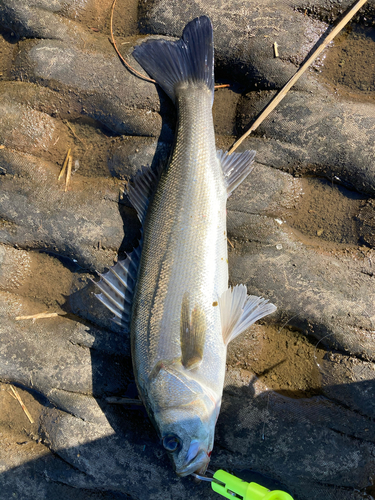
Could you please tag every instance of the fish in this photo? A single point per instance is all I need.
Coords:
(172, 291)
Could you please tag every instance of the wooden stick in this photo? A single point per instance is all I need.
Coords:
(278, 97)
(15, 392)
(38, 316)
(11, 394)
(62, 172)
(68, 172)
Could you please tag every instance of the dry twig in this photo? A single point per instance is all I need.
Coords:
(276, 49)
(278, 97)
(118, 52)
(68, 172)
(230, 243)
(38, 316)
(15, 392)
(73, 132)
(62, 171)
(12, 395)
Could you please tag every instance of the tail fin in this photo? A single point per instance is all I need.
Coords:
(190, 59)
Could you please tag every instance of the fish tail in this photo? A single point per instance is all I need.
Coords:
(188, 60)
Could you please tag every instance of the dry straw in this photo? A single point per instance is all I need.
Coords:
(278, 97)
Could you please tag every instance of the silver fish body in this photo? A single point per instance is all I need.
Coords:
(184, 257)
(173, 290)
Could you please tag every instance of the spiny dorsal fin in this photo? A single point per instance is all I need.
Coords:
(236, 167)
(117, 287)
(141, 190)
(192, 334)
(238, 311)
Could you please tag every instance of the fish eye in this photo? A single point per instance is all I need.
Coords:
(171, 442)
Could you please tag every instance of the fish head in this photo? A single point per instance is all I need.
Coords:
(185, 417)
(187, 434)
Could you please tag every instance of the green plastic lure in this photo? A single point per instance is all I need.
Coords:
(232, 487)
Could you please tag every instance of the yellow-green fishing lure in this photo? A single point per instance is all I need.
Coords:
(232, 487)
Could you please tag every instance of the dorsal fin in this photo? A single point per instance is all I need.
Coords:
(141, 189)
(236, 167)
(117, 287)
(238, 311)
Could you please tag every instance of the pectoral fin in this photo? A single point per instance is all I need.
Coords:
(238, 311)
(192, 334)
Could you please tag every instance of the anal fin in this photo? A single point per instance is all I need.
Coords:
(192, 334)
(238, 311)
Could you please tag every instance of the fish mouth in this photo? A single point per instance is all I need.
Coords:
(198, 465)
